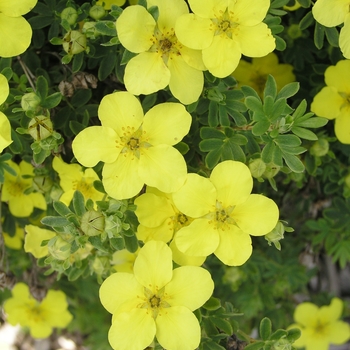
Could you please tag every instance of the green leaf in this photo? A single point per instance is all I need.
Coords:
(62, 209)
(288, 90)
(107, 65)
(288, 140)
(106, 28)
(212, 304)
(255, 346)
(249, 91)
(76, 127)
(131, 243)
(42, 87)
(213, 114)
(270, 87)
(305, 3)
(304, 133)
(54, 221)
(212, 158)
(315, 122)
(260, 128)
(222, 324)
(78, 61)
(293, 162)
(52, 101)
(265, 328)
(306, 21)
(211, 133)
(332, 36)
(210, 144)
(127, 56)
(293, 334)
(280, 43)
(254, 104)
(278, 334)
(79, 203)
(319, 35)
(81, 97)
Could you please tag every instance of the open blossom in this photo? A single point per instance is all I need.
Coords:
(225, 212)
(34, 237)
(39, 317)
(224, 30)
(5, 127)
(136, 148)
(320, 326)
(156, 301)
(333, 101)
(161, 59)
(14, 26)
(74, 178)
(331, 13)
(20, 203)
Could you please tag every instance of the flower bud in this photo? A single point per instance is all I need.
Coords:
(92, 223)
(100, 265)
(214, 94)
(30, 101)
(60, 250)
(40, 127)
(276, 235)
(74, 42)
(70, 14)
(257, 167)
(320, 148)
(271, 170)
(97, 12)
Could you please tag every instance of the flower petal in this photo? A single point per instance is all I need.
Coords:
(342, 127)
(38, 200)
(344, 41)
(21, 206)
(331, 313)
(339, 332)
(200, 238)
(135, 28)
(4, 89)
(121, 179)
(146, 73)
(153, 266)
(120, 289)
(166, 123)
(94, 144)
(330, 13)
(192, 57)
(233, 182)
(162, 167)
(120, 111)
(208, 8)
(249, 13)
(327, 103)
(20, 32)
(178, 328)
(191, 286)
(235, 246)
(15, 8)
(164, 232)
(186, 83)
(5, 127)
(183, 259)
(338, 76)
(306, 314)
(33, 239)
(224, 64)
(132, 330)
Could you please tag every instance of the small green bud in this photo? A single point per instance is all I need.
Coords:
(42, 183)
(74, 42)
(347, 180)
(97, 12)
(70, 14)
(294, 31)
(257, 167)
(214, 94)
(40, 127)
(30, 101)
(90, 31)
(276, 235)
(60, 250)
(282, 344)
(100, 265)
(320, 148)
(92, 223)
(271, 170)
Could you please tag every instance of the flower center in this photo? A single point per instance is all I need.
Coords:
(154, 302)
(34, 313)
(84, 187)
(222, 216)
(16, 188)
(346, 97)
(259, 80)
(225, 23)
(180, 220)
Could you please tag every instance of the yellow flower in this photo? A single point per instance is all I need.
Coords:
(33, 239)
(123, 260)
(14, 26)
(108, 3)
(255, 74)
(39, 317)
(332, 102)
(225, 212)
(320, 327)
(331, 14)
(74, 178)
(20, 203)
(225, 30)
(136, 149)
(161, 59)
(16, 241)
(5, 126)
(155, 301)
(293, 7)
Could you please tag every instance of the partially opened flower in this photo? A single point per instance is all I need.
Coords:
(225, 212)
(5, 127)
(333, 101)
(156, 301)
(224, 30)
(320, 326)
(39, 317)
(20, 202)
(161, 59)
(331, 14)
(136, 148)
(74, 178)
(14, 26)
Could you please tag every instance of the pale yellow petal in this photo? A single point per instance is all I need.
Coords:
(192, 57)
(132, 330)
(178, 329)
(344, 40)
(164, 232)
(21, 206)
(186, 83)
(162, 167)
(197, 197)
(256, 41)
(38, 200)
(338, 76)
(15, 8)
(191, 286)
(306, 314)
(330, 13)
(121, 111)
(342, 127)
(135, 28)
(4, 90)
(121, 179)
(183, 259)
(223, 64)
(20, 32)
(235, 246)
(249, 13)
(153, 266)
(208, 8)
(194, 31)
(94, 144)
(339, 332)
(200, 238)
(120, 289)
(331, 313)
(5, 127)
(146, 73)
(327, 103)
(33, 239)
(233, 182)
(166, 123)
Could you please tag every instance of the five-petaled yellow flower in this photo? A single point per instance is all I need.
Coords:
(5, 127)
(156, 301)
(225, 212)
(320, 326)
(333, 101)
(14, 27)
(136, 148)
(39, 317)
(225, 30)
(161, 59)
